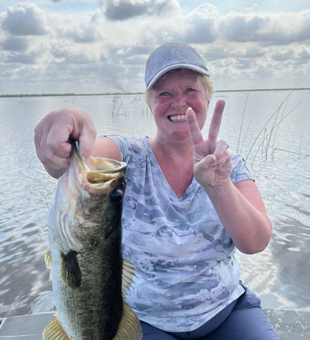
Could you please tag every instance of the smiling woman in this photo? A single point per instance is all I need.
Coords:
(189, 204)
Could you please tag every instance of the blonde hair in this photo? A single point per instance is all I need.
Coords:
(206, 81)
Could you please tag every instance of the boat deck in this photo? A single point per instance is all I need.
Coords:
(288, 324)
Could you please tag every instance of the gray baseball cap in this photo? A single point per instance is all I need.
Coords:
(171, 56)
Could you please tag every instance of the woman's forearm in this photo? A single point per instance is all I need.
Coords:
(241, 211)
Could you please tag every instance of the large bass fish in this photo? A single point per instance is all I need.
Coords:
(89, 276)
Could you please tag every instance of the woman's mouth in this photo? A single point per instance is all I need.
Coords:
(177, 118)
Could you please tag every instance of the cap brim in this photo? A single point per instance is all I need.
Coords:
(172, 67)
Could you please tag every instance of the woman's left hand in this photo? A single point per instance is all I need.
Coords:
(212, 161)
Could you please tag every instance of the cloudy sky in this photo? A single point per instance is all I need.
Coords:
(96, 46)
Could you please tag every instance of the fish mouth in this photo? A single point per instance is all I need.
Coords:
(96, 170)
(104, 170)
(177, 118)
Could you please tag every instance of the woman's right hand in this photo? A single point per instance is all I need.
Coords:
(52, 134)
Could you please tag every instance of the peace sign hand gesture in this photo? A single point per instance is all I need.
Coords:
(212, 161)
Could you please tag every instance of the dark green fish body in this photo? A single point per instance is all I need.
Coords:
(87, 267)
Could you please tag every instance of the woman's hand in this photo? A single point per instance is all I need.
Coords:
(212, 161)
(52, 134)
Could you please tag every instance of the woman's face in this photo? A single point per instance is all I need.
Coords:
(170, 98)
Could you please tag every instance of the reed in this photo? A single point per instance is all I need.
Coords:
(241, 125)
(269, 134)
(268, 137)
(118, 106)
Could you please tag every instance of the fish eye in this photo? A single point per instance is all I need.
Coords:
(116, 195)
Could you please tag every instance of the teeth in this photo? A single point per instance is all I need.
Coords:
(177, 118)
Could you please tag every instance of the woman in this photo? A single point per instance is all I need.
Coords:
(188, 204)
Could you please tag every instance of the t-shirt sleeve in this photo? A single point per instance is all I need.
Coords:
(123, 146)
(240, 172)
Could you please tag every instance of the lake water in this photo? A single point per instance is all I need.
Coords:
(269, 128)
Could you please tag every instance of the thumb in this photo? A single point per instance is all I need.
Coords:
(210, 160)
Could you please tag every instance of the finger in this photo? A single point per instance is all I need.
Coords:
(215, 123)
(57, 140)
(50, 160)
(205, 166)
(224, 160)
(220, 148)
(87, 141)
(56, 163)
(84, 131)
(193, 126)
(46, 147)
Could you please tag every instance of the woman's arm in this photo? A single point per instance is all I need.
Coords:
(242, 212)
(240, 207)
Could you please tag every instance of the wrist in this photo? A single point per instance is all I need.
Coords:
(219, 190)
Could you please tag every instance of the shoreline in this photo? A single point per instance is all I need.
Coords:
(137, 93)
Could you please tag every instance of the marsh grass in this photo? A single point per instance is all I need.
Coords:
(268, 132)
(118, 106)
(136, 105)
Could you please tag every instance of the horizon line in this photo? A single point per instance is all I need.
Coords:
(138, 93)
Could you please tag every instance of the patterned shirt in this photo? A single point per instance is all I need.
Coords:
(186, 268)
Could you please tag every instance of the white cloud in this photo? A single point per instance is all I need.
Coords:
(80, 32)
(304, 55)
(283, 55)
(23, 58)
(24, 19)
(126, 9)
(276, 28)
(95, 50)
(200, 24)
(70, 54)
(16, 44)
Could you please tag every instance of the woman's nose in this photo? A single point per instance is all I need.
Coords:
(178, 101)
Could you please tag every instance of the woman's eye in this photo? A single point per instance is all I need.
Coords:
(190, 90)
(164, 94)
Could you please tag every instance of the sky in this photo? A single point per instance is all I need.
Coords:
(101, 46)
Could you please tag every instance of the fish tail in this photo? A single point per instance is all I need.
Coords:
(54, 331)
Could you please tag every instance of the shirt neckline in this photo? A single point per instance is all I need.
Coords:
(191, 188)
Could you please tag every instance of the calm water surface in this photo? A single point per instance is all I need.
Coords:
(270, 129)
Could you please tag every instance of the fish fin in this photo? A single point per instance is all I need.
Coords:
(129, 327)
(128, 274)
(70, 269)
(54, 331)
(48, 259)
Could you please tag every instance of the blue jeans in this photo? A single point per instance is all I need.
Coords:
(243, 319)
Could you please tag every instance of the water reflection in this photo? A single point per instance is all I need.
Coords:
(292, 253)
(280, 275)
